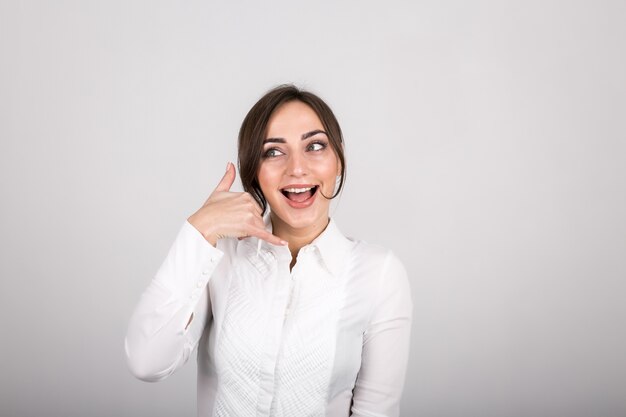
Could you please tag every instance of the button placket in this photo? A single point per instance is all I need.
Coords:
(290, 296)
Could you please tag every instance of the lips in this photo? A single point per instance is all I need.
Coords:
(300, 195)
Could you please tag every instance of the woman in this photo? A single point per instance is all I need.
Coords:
(290, 317)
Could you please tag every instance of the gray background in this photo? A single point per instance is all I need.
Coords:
(486, 145)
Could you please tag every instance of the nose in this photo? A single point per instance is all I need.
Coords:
(296, 165)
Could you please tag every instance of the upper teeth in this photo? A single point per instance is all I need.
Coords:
(297, 190)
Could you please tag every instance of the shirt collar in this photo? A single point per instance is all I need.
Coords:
(332, 246)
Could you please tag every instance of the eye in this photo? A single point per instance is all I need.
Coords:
(272, 153)
(316, 146)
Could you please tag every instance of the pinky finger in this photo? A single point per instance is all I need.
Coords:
(267, 236)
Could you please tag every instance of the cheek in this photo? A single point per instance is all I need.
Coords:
(329, 169)
(325, 173)
(266, 178)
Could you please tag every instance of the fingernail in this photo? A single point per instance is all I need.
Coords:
(227, 166)
(284, 242)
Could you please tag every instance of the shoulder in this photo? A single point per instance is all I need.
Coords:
(379, 263)
(385, 276)
(375, 255)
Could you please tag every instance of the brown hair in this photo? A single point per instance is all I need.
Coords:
(254, 128)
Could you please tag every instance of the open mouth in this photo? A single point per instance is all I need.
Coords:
(299, 195)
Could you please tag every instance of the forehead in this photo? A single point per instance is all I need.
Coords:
(293, 118)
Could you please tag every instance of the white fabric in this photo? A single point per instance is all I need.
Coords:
(329, 338)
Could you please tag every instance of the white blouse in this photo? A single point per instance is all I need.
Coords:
(329, 338)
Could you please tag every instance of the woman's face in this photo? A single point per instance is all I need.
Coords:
(298, 165)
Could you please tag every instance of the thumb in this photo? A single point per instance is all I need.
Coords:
(227, 180)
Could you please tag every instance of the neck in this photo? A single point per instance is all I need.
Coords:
(297, 238)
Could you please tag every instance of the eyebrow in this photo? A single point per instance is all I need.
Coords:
(303, 137)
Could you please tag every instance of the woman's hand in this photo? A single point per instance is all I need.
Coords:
(230, 214)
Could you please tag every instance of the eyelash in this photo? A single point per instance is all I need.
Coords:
(318, 142)
(267, 153)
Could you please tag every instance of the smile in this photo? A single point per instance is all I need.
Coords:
(300, 196)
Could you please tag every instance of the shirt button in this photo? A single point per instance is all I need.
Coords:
(199, 284)
(205, 272)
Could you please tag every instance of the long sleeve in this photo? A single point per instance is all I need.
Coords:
(159, 339)
(385, 351)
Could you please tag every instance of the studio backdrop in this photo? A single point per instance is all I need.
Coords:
(485, 143)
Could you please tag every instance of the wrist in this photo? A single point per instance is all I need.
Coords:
(205, 230)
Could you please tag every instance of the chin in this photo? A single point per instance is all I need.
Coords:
(297, 220)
